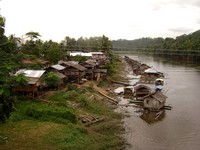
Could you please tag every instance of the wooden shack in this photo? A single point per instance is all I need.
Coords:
(98, 55)
(144, 67)
(136, 68)
(100, 74)
(155, 101)
(150, 75)
(128, 91)
(45, 63)
(34, 82)
(75, 72)
(90, 69)
(141, 90)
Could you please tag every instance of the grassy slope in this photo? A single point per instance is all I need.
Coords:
(36, 125)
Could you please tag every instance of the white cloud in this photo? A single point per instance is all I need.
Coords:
(127, 19)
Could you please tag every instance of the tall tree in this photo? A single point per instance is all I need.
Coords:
(32, 35)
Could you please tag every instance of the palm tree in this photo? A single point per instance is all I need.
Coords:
(32, 35)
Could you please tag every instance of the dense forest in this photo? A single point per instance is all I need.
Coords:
(184, 46)
(14, 49)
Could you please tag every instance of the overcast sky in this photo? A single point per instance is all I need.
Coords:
(116, 19)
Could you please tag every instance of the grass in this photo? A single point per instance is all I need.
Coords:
(36, 125)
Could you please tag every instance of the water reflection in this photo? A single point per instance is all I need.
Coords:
(152, 117)
(177, 129)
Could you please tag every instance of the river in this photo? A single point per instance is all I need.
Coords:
(176, 129)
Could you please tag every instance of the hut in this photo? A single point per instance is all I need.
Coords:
(150, 75)
(75, 72)
(128, 91)
(136, 68)
(141, 90)
(98, 55)
(34, 82)
(143, 67)
(56, 68)
(35, 61)
(100, 74)
(59, 70)
(155, 101)
(90, 69)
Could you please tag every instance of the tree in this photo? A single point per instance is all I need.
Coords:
(106, 44)
(32, 46)
(54, 52)
(8, 64)
(32, 35)
(51, 79)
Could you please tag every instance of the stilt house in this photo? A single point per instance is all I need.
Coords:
(155, 100)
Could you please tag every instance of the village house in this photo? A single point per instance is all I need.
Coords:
(155, 101)
(141, 90)
(100, 74)
(91, 66)
(150, 75)
(34, 82)
(35, 60)
(74, 71)
(98, 55)
(80, 54)
(59, 70)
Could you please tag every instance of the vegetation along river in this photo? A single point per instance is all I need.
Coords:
(176, 129)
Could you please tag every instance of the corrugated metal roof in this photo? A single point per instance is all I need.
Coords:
(58, 67)
(79, 67)
(80, 54)
(151, 70)
(159, 96)
(32, 80)
(97, 53)
(31, 73)
(60, 75)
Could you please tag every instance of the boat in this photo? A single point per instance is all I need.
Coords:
(159, 83)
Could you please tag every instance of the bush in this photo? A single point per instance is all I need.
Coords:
(51, 79)
(49, 114)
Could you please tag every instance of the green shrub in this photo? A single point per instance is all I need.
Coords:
(50, 114)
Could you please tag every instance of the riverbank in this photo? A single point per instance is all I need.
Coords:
(76, 117)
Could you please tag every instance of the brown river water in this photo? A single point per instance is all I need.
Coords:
(176, 129)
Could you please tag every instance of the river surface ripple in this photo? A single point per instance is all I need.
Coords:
(176, 129)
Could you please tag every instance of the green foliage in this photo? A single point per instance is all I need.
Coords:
(79, 58)
(34, 66)
(183, 46)
(2, 25)
(113, 66)
(75, 96)
(32, 35)
(20, 80)
(51, 79)
(40, 111)
(54, 52)
(6, 103)
(88, 44)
